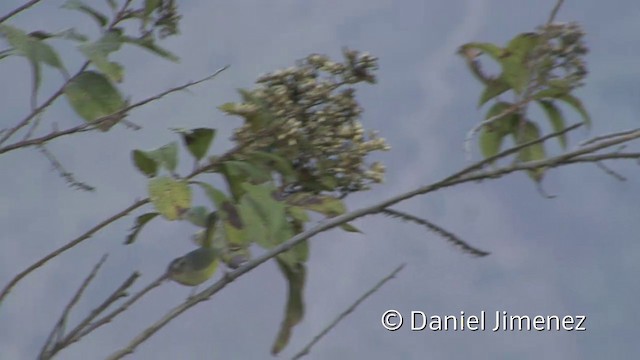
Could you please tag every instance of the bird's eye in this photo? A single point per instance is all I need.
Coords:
(177, 265)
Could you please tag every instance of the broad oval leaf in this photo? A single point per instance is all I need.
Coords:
(171, 198)
(92, 96)
(98, 53)
(198, 141)
(166, 156)
(145, 163)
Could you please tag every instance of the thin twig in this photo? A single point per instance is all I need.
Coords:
(453, 238)
(229, 154)
(66, 175)
(69, 245)
(109, 317)
(607, 136)
(18, 10)
(345, 313)
(554, 12)
(462, 176)
(95, 124)
(51, 345)
(74, 335)
(610, 172)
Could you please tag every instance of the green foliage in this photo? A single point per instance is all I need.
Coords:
(145, 163)
(198, 141)
(93, 97)
(544, 66)
(34, 49)
(170, 197)
(530, 132)
(96, 15)
(294, 310)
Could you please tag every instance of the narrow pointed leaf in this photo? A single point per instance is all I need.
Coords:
(141, 221)
(555, 118)
(145, 163)
(294, 311)
(100, 18)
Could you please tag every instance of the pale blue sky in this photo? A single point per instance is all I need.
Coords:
(574, 255)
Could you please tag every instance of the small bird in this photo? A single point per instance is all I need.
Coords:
(198, 265)
(195, 267)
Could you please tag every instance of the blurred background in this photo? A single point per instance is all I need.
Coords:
(576, 254)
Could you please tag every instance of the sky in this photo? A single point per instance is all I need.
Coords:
(576, 254)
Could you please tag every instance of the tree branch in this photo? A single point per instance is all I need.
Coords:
(348, 311)
(18, 10)
(95, 124)
(462, 176)
(69, 245)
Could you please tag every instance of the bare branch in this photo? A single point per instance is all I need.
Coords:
(96, 124)
(453, 238)
(610, 172)
(554, 12)
(607, 136)
(106, 222)
(18, 10)
(69, 245)
(345, 313)
(51, 346)
(67, 176)
(109, 317)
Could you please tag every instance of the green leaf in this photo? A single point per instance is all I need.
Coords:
(506, 123)
(275, 162)
(294, 311)
(515, 69)
(150, 6)
(494, 88)
(141, 221)
(576, 104)
(562, 95)
(216, 196)
(145, 163)
(32, 48)
(171, 198)
(233, 223)
(298, 213)
(100, 18)
(555, 117)
(98, 52)
(149, 44)
(92, 96)
(271, 212)
(490, 49)
(490, 141)
(197, 215)
(167, 156)
(198, 141)
(350, 228)
(324, 204)
(530, 132)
